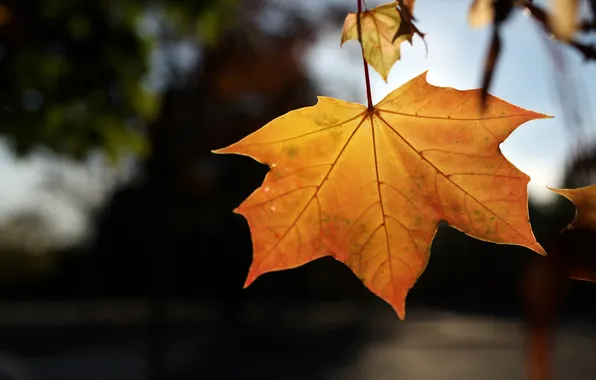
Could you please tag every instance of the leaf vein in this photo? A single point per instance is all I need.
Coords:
(449, 179)
(444, 118)
(318, 188)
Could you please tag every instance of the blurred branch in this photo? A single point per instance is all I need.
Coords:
(502, 9)
(541, 16)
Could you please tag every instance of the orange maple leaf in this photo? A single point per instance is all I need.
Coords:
(369, 186)
(380, 37)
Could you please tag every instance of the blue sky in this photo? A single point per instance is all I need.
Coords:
(455, 57)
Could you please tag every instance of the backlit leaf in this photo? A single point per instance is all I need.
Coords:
(407, 26)
(481, 13)
(563, 18)
(369, 186)
(379, 40)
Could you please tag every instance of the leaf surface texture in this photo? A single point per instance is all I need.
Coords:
(369, 187)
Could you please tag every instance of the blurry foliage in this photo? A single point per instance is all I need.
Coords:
(74, 73)
(24, 245)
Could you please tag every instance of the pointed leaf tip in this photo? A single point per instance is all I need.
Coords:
(249, 279)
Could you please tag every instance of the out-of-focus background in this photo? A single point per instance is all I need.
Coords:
(120, 257)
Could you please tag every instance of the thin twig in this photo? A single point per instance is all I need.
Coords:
(366, 72)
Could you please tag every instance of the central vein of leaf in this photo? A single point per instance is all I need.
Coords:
(384, 224)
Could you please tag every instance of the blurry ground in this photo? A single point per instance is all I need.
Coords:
(334, 342)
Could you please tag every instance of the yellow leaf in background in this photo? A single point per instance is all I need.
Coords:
(379, 40)
(563, 18)
(481, 13)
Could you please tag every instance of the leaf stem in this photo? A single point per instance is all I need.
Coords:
(366, 73)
